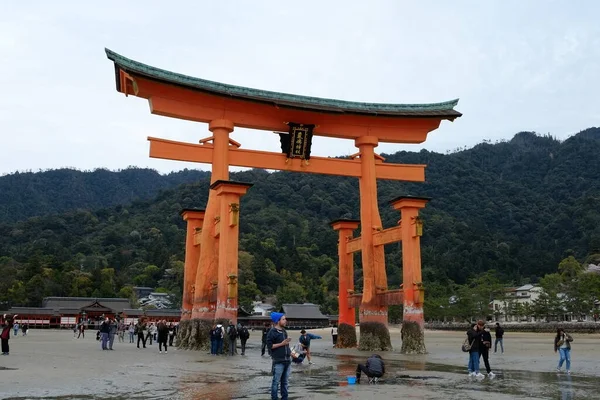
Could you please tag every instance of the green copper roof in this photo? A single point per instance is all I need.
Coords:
(443, 110)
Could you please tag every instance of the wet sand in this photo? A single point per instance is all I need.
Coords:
(52, 364)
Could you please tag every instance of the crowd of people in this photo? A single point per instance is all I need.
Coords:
(277, 344)
(160, 332)
(479, 343)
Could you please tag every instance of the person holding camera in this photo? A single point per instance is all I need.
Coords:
(562, 344)
(474, 335)
(278, 343)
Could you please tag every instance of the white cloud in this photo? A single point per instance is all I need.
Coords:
(515, 65)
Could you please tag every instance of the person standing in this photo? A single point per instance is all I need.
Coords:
(214, 333)
(7, 325)
(81, 330)
(220, 334)
(113, 328)
(374, 368)
(150, 332)
(334, 335)
(104, 332)
(265, 332)
(484, 348)
(131, 330)
(142, 331)
(162, 335)
(278, 344)
(499, 331)
(474, 336)
(244, 335)
(172, 333)
(562, 344)
(305, 339)
(16, 328)
(232, 335)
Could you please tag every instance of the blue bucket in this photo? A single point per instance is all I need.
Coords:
(351, 380)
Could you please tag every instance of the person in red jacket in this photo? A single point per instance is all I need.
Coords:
(5, 334)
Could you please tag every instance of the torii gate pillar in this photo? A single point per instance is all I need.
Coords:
(347, 315)
(194, 219)
(227, 227)
(413, 340)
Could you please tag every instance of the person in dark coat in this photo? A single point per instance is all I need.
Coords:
(499, 331)
(141, 332)
(374, 368)
(244, 336)
(232, 334)
(104, 333)
(162, 335)
(7, 325)
(484, 350)
(279, 344)
(172, 333)
(474, 336)
(265, 332)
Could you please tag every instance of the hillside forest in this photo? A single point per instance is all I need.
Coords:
(502, 214)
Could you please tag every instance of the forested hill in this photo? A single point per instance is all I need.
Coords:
(28, 194)
(516, 207)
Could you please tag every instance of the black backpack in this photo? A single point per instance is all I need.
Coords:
(244, 334)
(231, 331)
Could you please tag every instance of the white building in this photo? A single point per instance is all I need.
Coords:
(158, 300)
(262, 309)
(517, 301)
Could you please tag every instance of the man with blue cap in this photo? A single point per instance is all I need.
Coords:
(278, 344)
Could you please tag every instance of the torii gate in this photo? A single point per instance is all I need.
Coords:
(210, 276)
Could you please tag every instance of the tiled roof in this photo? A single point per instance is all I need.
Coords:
(167, 312)
(444, 110)
(303, 311)
(56, 303)
(31, 311)
(133, 312)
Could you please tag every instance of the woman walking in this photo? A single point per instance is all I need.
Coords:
(162, 335)
(562, 344)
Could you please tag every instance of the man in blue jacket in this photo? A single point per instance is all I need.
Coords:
(305, 339)
(278, 345)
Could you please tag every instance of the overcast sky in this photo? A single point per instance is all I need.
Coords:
(515, 65)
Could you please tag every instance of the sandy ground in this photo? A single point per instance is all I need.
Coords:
(52, 364)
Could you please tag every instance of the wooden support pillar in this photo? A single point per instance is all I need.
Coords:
(345, 228)
(208, 264)
(347, 317)
(412, 229)
(229, 194)
(194, 218)
(373, 257)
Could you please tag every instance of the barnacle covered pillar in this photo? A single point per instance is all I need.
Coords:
(203, 310)
(413, 340)
(228, 229)
(194, 218)
(208, 264)
(347, 318)
(374, 334)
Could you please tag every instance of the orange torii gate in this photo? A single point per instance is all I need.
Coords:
(210, 276)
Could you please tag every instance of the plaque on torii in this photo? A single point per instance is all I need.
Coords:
(210, 276)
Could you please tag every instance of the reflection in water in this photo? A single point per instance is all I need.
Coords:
(565, 385)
